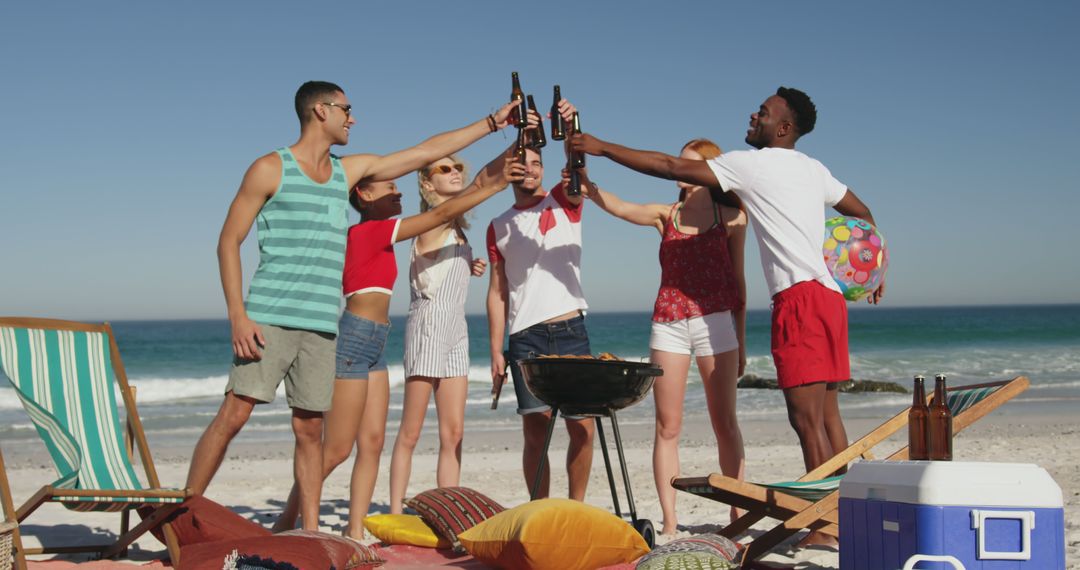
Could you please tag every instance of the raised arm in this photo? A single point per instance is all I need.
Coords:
(484, 186)
(496, 314)
(736, 229)
(259, 184)
(360, 167)
(647, 162)
(654, 215)
(851, 205)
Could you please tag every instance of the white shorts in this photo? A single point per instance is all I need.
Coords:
(702, 336)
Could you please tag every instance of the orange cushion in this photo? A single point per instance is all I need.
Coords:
(554, 533)
(303, 549)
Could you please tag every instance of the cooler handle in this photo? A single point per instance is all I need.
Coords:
(1027, 522)
(911, 562)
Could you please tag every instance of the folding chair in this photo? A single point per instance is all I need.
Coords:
(811, 501)
(11, 551)
(65, 373)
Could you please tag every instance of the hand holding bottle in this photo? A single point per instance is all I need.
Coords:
(502, 116)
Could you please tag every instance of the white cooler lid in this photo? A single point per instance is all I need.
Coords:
(952, 483)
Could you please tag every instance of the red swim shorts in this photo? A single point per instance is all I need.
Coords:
(809, 335)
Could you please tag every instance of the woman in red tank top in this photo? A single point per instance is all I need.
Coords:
(700, 311)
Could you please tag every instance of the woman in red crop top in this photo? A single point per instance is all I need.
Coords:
(361, 389)
(700, 311)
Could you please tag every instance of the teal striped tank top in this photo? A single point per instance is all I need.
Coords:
(302, 234)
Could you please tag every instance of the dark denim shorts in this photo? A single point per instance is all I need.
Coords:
(567, 337)
(360, 345)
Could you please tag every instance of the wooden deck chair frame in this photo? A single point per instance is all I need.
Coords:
(130, 499)
(10, 526)
(796, 513)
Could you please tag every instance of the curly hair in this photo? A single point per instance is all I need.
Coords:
(803, 109)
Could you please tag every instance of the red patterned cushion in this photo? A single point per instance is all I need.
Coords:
(201, 520)
(453, 510)
(304, 549)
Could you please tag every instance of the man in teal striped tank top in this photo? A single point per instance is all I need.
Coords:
(297, 197)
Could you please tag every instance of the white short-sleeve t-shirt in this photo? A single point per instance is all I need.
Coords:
(540, 249)
(785, 193)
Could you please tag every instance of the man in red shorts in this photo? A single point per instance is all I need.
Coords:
(784, 192)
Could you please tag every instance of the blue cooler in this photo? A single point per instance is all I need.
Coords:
(950, 515)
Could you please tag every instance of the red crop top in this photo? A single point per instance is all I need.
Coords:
(370, 265)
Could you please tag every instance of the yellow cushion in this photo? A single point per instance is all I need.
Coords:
(404, 529)
(554, 533)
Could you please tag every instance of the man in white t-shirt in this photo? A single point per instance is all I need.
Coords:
(535, 296)
(784, 193)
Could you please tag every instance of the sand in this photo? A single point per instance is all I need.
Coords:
(256, 476)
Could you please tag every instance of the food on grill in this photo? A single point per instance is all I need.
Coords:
(601, 356)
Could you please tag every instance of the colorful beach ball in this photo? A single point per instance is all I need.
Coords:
(855, 255)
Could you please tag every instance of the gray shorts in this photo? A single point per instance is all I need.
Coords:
(303, 358)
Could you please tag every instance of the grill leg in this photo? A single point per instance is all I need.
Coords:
(622, 464)
(607, 465)
(543, 455)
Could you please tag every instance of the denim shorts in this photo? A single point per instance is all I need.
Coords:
(360, 345)
(567, 337)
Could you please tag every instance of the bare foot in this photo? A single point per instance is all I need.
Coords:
(282, 525)
(815, 538)
(669, 530)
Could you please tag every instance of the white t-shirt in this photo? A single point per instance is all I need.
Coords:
(785, 193)
(540, 249)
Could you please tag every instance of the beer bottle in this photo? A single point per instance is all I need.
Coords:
(536, 138)
(519, 152)
(558, 125)
(574, 188)
(518, 114)
(917, 420)
(940, 423)
(577, 159)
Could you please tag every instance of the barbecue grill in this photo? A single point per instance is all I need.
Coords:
(596, 388)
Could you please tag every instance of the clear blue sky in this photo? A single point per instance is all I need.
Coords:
(126, 128)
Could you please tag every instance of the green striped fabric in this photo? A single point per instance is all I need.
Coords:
(809, 490)
(65, 382)
(302, 231)
(960, 400)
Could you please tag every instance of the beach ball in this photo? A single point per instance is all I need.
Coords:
(855, 255)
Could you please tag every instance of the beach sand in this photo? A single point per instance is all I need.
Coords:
(256, 476)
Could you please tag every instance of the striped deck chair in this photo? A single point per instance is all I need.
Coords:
(64, 373)
(811, 501)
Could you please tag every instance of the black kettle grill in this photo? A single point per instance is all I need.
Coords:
(592, 387)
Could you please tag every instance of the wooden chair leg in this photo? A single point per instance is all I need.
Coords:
(148, 523)
(741, 524)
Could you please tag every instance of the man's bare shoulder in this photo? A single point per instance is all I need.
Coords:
(264, 175)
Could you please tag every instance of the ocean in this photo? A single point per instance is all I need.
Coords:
(180, 366)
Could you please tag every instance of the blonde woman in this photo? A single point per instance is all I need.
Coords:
(699, 312)
(436, 337)
(357, 417)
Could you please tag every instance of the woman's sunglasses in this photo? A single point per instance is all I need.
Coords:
(444, 169)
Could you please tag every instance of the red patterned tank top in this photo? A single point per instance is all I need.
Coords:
(697, 277)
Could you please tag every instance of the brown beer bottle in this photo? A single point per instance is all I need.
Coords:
(940, 423)
(917, 417)
(577, 159)
(536, 137)
(574, 188)
(558, 125)
(519, 115)
(519, 151)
